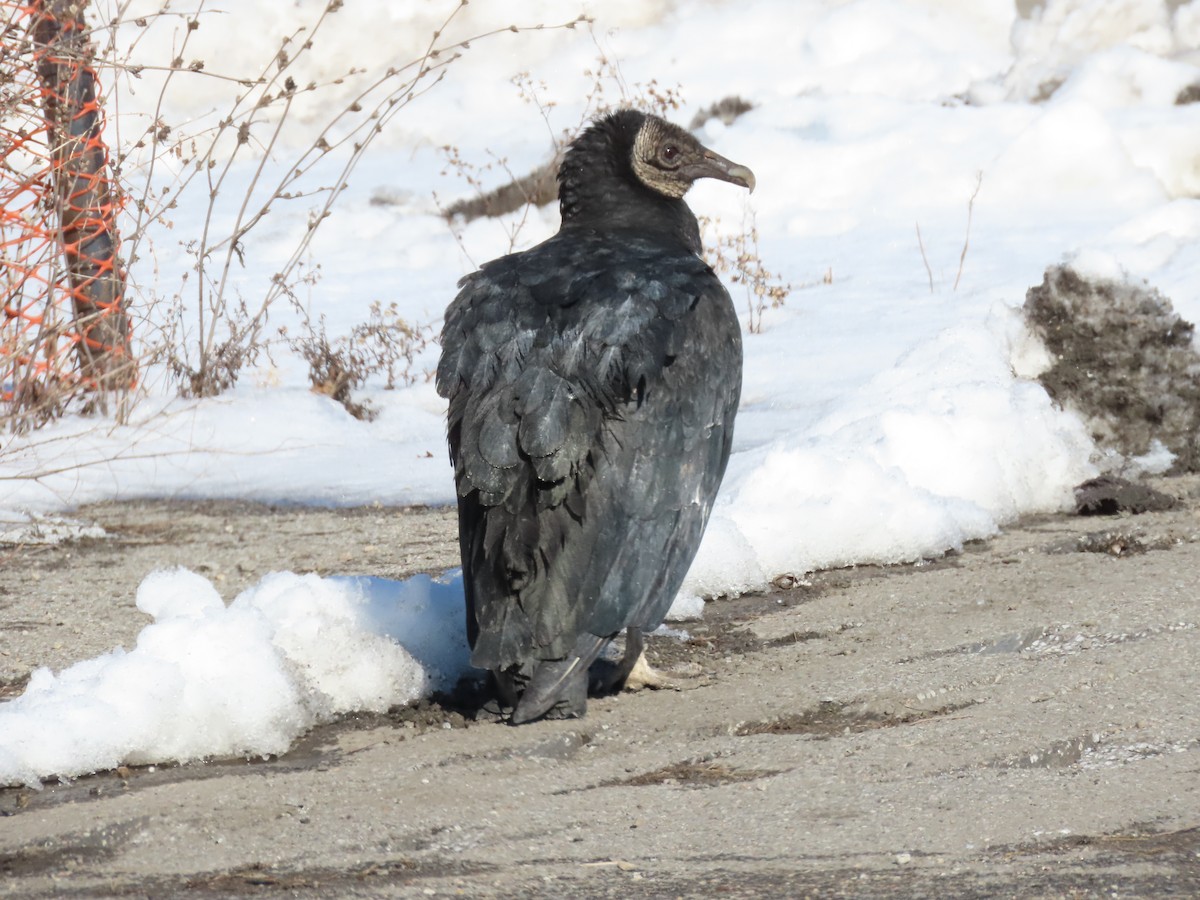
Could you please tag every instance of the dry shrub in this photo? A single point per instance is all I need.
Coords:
(237, 166)
(385, 345)
(214, 332)
(736, 256)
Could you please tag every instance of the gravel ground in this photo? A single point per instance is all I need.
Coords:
(1020, 719)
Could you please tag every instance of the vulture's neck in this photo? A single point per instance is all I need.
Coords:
(597, 189)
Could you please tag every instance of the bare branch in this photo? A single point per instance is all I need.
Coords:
(962, 258)
(924, 258)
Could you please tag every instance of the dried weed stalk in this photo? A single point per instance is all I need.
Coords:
(962, 256)
(213, 332)
(736, 256)
(385, 345)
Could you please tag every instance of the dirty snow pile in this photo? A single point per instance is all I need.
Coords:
(920, 164)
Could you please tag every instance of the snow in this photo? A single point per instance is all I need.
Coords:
(887, 414)
(206, 679)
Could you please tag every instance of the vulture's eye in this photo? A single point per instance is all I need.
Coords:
(669, 153)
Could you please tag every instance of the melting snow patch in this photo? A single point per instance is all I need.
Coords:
(31, 528)
(206, 679)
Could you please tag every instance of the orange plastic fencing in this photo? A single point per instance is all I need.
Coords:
(65, 328)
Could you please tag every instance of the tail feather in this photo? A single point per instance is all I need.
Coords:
(558, 681)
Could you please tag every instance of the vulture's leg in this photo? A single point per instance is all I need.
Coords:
(641, 675)
(632, 673)
(614, 679)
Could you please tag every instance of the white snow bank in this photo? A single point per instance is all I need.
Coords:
(1060, 34)
(938, 449)
(269, 444)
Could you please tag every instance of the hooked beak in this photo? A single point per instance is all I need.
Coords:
(716, 166)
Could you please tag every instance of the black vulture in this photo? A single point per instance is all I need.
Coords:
(593, 381)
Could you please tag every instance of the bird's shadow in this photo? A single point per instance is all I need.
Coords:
(476, 697)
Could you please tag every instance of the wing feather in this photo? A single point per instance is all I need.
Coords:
(590, 416)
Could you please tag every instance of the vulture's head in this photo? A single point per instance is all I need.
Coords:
(667, 159)
(631, 170)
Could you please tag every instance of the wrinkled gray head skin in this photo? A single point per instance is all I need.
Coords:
(667, 159)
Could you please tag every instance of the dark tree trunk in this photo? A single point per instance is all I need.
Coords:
(83, 194)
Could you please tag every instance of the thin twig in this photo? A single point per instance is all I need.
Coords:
(967, 238)
(924, 258)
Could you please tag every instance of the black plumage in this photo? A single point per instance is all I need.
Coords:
(593, 381)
